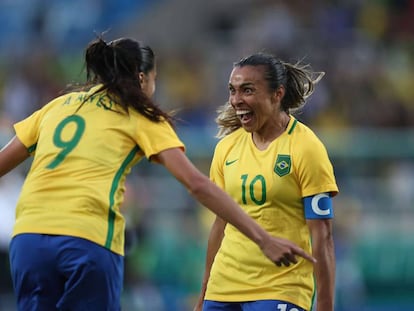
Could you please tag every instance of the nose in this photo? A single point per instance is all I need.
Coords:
(235, 99)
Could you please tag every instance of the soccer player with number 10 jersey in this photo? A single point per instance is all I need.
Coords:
(277, 169)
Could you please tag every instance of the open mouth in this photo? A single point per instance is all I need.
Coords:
(244, 115)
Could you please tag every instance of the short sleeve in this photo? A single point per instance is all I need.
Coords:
(154, 137)
(314, 168)
(28, 130)
(216, 168)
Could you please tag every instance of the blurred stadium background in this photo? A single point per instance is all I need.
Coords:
(363, 110)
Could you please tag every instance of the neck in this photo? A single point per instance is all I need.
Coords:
(266, 135)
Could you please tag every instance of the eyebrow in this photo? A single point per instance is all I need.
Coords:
(246, 84)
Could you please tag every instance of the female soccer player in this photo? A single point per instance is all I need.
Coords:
(68, 241)
(279, 172)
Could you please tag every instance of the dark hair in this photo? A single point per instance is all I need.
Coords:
(148, 60)
(298, 80)
(116, 65)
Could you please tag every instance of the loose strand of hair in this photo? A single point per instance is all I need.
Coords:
(227, 120)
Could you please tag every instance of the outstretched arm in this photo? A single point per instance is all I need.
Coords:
(211, 196)
(12, 155)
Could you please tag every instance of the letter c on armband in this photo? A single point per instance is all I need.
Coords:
(318, 206)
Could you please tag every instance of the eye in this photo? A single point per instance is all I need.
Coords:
(232, 91)
(248, 91)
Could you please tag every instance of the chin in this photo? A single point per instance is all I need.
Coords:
(248, 128)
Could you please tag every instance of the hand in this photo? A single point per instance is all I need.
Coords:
(283, 252)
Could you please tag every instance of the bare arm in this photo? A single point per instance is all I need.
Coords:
(323, 250)
(220, 203)
(12, 155)
(214, 242)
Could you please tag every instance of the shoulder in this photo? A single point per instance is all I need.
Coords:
(305, 142)
(67, 98)
(302, 132)
(298, 128)
(145, 123)
(230, 139)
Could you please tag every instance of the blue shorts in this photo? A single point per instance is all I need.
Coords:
(53, 272)
(259, 305)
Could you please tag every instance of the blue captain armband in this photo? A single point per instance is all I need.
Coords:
(318, 206)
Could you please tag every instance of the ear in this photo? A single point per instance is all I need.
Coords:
(279, 93)
(141, 77)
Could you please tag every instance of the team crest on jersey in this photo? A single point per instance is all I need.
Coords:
(283, 164)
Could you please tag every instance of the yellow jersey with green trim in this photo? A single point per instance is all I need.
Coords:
(76, 182)
(269, 185)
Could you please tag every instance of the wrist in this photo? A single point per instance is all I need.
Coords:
(262, 239)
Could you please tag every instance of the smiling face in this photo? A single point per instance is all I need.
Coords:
(255, 104)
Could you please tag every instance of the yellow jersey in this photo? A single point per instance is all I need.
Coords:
(76, 182)
(269, 185)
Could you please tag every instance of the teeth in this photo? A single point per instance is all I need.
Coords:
(241, 112)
